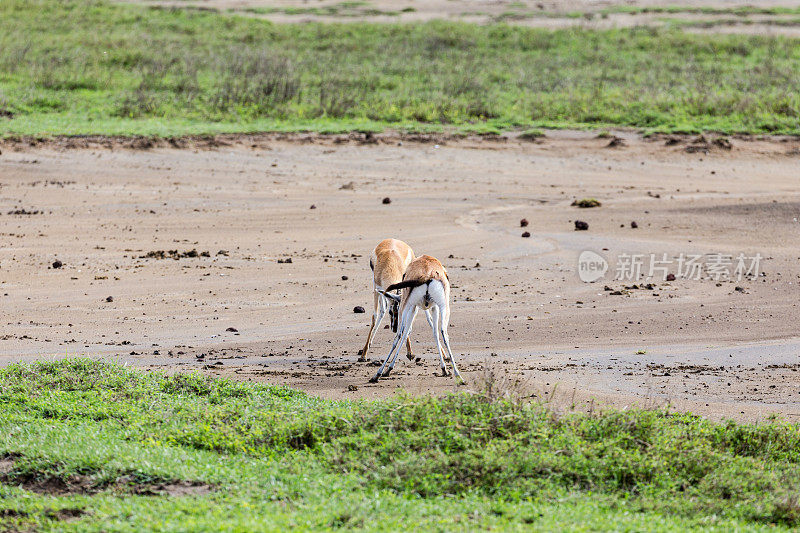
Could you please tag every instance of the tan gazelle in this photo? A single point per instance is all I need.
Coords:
(388, 263)
(425, 286)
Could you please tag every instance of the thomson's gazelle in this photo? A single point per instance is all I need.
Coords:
(388, 263)
(425, 286)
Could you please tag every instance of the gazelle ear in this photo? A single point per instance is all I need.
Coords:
(394, 297)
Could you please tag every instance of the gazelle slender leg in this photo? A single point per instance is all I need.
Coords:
(444, 319)
(431, 321)
(409, 353)
(402, 334)
(377, 315)
(407, 325)
(395, 345)
(437, 339)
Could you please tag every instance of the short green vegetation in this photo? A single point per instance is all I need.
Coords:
(96, 67)
(532, 134)
(587, 203)
(91, 446)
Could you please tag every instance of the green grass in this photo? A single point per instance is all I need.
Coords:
(275, 458)
(83, 67)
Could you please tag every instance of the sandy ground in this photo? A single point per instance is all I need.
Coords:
(533, 13)
(519, 309)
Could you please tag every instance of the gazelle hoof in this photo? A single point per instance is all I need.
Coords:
(410, 356)
(445, 373)
(460, 381)
(387, 372)
(374, 379)
(362, 359)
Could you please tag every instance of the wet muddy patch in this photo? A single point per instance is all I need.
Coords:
(48, 483)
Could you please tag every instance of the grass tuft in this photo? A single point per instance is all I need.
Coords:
(586, 203)
(532, 134)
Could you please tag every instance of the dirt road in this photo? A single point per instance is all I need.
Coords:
(131, 224)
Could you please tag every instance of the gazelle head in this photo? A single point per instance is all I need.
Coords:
(394, 309)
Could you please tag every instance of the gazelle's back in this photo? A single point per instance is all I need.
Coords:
(389, 261)
(425, 268)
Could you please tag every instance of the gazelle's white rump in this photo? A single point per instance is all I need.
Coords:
(428, 295)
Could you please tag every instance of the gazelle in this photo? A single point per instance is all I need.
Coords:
(425, 286)
(388, 263)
